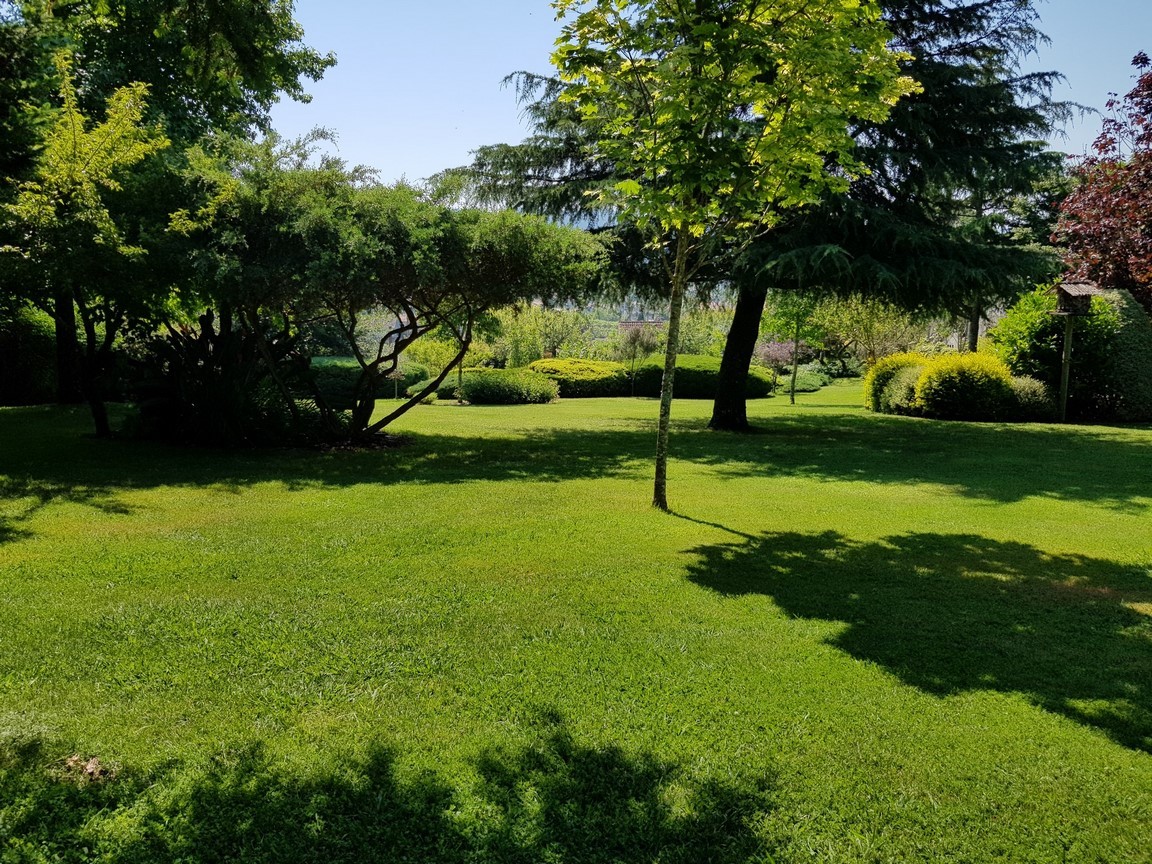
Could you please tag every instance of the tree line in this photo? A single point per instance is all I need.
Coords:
(892, 150)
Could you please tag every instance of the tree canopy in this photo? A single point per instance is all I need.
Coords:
(718, 115)
(1107, 221)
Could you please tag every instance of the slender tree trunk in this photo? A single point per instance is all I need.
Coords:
(975, 314)
(679, 286)
(93, 363)
(730, 408)
(465, 344)
(68, 386)
(795, 365)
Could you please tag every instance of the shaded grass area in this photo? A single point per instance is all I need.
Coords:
(949, 613)
(993, 462)
(553, 800)
(866, 639)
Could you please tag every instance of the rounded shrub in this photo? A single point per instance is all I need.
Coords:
(336, 379)
(882, 371)
(585, 378)
(1111, 353)
(964, 387)
(899, 394)
(27, 357)
(1032, 400)
(807, 381)
(508, 387)
(449, 388)
(696, 378)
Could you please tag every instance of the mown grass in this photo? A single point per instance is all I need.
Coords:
(860, 639)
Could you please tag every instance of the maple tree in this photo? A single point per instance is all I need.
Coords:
(1106, 223)
(718, 115)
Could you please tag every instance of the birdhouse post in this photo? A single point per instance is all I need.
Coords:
(1073, 300)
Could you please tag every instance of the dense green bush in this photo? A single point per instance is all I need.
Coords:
(696, 376)
(964, 387)
(508, 387)
(27, 358)
(1111, 353)
(336, 379)
(449, 388)
(807, 381)
(882, 371)
(1032, 400)
(585, 378)
(899, 394)
(1130, 369)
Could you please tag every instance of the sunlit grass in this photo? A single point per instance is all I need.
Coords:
(860, 638)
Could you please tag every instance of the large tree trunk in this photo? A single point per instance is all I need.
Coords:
(68, 385)
(975, 314)
(730, 408)
(679, 287)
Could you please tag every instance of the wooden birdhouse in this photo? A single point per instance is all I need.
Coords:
(1075, 298)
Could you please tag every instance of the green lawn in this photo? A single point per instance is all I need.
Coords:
(860, 639)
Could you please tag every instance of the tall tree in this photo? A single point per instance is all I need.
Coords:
(930, 226)
(286, 239)
(719, 114)
(65, 232)
(211, 66)
(1106, 222)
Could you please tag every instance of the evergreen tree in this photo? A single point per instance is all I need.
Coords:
(935, 224)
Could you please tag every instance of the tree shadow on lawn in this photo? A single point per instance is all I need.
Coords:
(43, 462)
(552, 800)
(953, 613)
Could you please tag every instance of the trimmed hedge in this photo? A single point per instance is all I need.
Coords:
(508, 387)
(965, 387)
(449, 388)
(883, 371)
(899, 394)
(1033, 401)
(952, 387)
(336, 379)
(696, 377)
(1111, 353)
(807, 381)
(585, 378)
(27, 358)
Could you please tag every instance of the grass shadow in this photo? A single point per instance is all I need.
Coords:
(950, 613)
(45, 461)
(552, 800)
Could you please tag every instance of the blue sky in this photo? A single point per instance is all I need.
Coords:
(417, 85)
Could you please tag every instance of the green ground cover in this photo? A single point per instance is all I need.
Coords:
(861, 638)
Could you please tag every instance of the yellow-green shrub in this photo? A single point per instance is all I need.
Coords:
(585, 378)
(965, 387)
(883, 371)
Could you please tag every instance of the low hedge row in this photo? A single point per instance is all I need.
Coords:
(585, 378)
(483, 386)
(696, 377)
(508, 387)
(336, 379)
(955, 387)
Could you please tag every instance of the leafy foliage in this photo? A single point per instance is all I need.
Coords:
(1111, 353)
(1106, 221)
(508, 387)
(964, 387)
(577, 378)
(717, 116)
